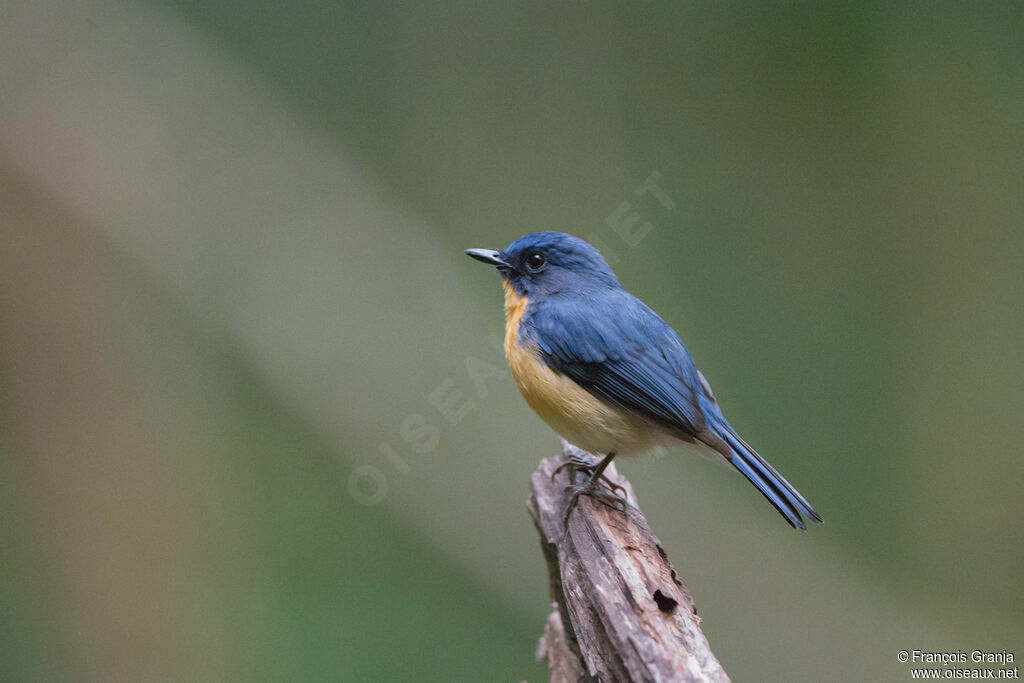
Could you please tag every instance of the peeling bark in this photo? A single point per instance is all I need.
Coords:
(621, 613)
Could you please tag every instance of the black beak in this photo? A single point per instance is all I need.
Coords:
(488, 256)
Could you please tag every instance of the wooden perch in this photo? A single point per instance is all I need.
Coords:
(620, 612)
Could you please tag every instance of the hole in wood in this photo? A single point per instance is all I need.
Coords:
(665, 603)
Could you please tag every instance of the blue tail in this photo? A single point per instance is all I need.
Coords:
(786, 499)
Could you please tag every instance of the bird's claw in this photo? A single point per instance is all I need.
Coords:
(606, 497)
(610, 494)
(576, 463)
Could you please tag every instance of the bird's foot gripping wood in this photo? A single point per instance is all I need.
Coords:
(577, 462)
(611, 494)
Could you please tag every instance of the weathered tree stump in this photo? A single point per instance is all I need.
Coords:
(620, 612)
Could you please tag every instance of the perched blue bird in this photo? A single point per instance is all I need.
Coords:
(609, 375)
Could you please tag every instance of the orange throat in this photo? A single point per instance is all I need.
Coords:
(515, 307)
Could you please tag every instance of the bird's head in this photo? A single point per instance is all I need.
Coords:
(543, 264)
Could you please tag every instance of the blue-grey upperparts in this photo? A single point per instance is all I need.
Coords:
(605, 371)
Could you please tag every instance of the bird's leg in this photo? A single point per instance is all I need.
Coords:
(591, 487)
(577, 462)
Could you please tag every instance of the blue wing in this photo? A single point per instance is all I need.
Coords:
(619, 350)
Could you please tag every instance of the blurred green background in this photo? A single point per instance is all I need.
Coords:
(232, 292)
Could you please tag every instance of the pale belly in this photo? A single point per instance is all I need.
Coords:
(578, 416)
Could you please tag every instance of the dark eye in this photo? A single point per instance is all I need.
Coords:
(535, 261)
